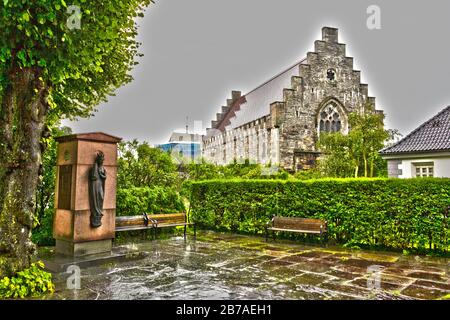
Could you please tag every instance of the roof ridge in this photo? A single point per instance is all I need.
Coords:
(416, 130)
(276, 76)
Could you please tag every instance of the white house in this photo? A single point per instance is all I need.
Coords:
(425, 152)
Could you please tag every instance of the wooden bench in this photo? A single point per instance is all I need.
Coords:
(153, 221)
(134, 223)
(172, 220)
(298, 225)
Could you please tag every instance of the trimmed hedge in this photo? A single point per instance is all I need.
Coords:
(135, 201)
(392, 213)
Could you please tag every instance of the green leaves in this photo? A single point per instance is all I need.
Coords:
(26, 17)
(32, 282)
(135, 201)
(141, 165)
(355, 154)
(37, 31)
(393, 213)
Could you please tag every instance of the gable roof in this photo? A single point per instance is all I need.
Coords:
(257, 102)
(432, 136)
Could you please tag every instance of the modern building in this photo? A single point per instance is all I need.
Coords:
(280, 121)
(425, 152)
(183, 146)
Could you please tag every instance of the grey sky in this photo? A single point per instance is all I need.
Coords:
(197, 51)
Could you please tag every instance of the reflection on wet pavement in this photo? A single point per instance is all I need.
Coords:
(226, 266)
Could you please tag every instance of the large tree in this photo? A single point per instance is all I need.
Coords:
(56, 61)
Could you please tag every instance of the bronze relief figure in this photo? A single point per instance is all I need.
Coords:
(97, 177)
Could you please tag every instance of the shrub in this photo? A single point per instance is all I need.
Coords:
(135, 201)
(391, 213)
(43, 234)
(31, 282)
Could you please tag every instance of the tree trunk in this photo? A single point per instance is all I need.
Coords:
(372, 168)
(24, 106)
(365, 165)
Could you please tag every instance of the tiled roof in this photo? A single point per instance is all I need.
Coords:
(432, 136)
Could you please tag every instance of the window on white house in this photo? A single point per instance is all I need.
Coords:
(423, 170)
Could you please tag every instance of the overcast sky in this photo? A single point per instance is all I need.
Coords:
(197, 51)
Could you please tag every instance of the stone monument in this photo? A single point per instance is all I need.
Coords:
(85, 198)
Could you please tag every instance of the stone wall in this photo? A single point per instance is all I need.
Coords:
(288, 135)
(256, 141)
(313, 90)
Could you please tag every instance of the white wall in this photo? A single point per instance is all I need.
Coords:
(441, 167)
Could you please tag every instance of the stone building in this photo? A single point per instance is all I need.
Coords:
(280, 121)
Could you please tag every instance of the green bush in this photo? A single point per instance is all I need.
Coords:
(135, 201)
(43, 234)
(392, 213)
(31, 282)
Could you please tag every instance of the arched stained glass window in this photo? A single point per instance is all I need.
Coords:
(330, 119)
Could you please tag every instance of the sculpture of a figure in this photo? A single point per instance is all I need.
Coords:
(97, 177)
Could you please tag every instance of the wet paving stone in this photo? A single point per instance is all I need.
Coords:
(380, 258)
(295, 258)
(364, 264)
(288, 272)
(315, 254)
(226, 266)
(350, 269)
(402, 281)
(423, 293)
(433, 285)
(311, 266)
(342, 275)
(427, 276)
(272, 264)
(387, 286)
(278, 253)
(311, 279)
(346, 289)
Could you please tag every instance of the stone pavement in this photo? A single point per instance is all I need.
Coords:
(227, 266)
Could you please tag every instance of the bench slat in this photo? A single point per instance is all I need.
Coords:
(173, 224)
(132, 228)
(129, 221)
(297, 225)
(295, 230)
(294, 223)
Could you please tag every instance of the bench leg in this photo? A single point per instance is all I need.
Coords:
(184, 232)
(325, 239)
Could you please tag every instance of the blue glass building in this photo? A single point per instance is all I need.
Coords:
(183, 146)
